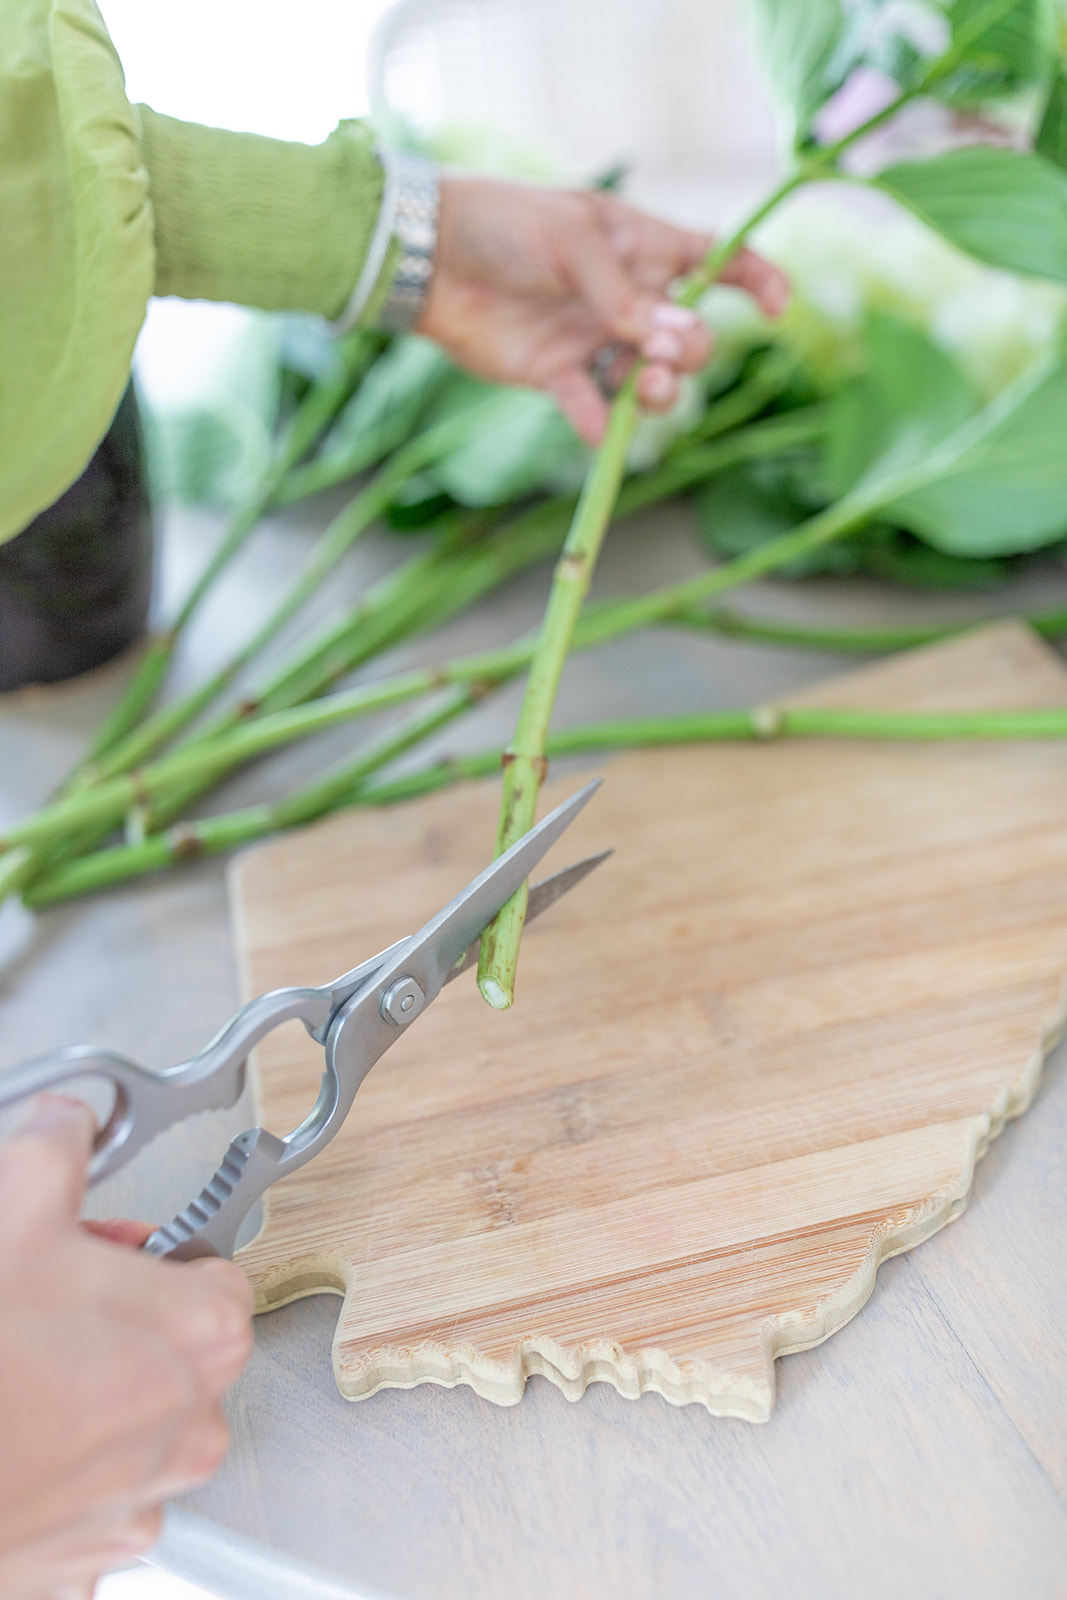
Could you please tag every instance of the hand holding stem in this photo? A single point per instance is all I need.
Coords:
(524, 761)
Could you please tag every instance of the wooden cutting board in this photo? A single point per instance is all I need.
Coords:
(752, 1056)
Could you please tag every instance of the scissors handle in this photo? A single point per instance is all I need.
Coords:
(357, 1034)
(138, 1097)
(145, 1103)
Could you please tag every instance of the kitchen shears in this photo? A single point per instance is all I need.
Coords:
(355, 1019)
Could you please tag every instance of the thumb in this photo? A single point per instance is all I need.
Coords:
(43, 1165)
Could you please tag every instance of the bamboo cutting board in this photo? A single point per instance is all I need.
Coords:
(752, 1056)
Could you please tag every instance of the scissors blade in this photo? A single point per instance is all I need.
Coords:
(431, 953)
(542, 896)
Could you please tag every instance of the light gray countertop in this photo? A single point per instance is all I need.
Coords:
(921, 1451)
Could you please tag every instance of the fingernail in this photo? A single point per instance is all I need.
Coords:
(663, 346)
(665, 314)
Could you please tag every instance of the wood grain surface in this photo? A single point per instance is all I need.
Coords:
(755, 1054)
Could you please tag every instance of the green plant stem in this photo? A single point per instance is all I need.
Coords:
(710, 269)
(814, 722)
(302, 432)
(849, 641)
(108, 802)
(210, 835)
(524, 759)
(332, 544)
(467, 679)
(761, 724)
(447, 582)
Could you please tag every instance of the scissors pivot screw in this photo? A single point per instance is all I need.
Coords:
(402, 1001)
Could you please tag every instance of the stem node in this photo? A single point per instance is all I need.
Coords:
(767, 722)
(185, 842)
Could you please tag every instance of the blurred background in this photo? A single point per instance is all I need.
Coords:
(663, 89)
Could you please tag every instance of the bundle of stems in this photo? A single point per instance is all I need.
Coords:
(473, 553)
(166, 787)
(348, 785)
(303, 432)
(332, 544)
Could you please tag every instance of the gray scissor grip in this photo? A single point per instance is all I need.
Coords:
(209, 1225)
(145, 1103)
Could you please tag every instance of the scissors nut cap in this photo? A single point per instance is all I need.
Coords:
(402, 1001)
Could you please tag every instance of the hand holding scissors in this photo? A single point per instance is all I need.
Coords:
(355, 1019)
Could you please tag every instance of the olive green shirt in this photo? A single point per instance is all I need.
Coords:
(103, 204)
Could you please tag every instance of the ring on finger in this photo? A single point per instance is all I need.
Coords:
(603, 367)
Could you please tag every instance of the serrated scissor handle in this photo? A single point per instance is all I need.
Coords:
(355, 1037)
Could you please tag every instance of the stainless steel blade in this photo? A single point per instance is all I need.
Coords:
(542, 896)
(429, 956)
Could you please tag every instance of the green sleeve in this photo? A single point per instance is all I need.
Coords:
(76, 252)
(104, 205)
(259, 221)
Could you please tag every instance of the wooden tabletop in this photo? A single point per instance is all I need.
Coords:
(921, 1450)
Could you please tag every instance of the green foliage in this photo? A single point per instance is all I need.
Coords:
(390, 404)
(737, 512)
(999, 47)
(911, 396)
(418, 506)
(980, 483)
(800, 46)
(907, 437)
(740, 510)
(1005, 208)
(524, 444)
(898, 557)
(1051, 140)
(999, 484)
